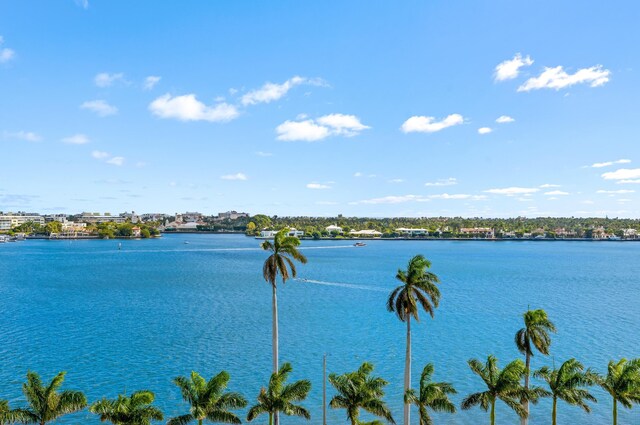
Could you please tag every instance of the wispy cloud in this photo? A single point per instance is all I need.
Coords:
(76, 139)
(188, 108)
(549, 186)
(484, 130)
(424, 124)
(27, 136)
(623, 175)
(6, 54)
(557, 78)
(511, 191)
(310, 130)
(104, 79)
(100, 154)
(459, 196)
(615, 192)
(270, 92)
(100, 107)
(82, 3)
(116, 160)
(443, 182)
(151, 81)
(236, 176)
(396, 181)
(319, 186)
(394, 199)
(263, 154)
(556, 193)
(510, 69)
(608, 163)
(503, 119)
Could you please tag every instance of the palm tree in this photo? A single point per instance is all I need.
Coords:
(622, 383)
(283, 251)
(501, 385)
(567, 384)
(358, 390)
(279, 397)
(534, 334)
(418, 288)
(208, 400)
(10, 416)
(46, 403)
(432, 395)
(128, 410)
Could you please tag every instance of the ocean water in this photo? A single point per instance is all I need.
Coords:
(123, 320)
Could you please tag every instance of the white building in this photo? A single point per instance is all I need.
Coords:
(366, 233)
(412, 232)
(10, 220)
(630, 233)
(231, 215)
(96, 218)
(270, 234)
(333, 228)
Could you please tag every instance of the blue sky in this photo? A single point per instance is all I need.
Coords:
(298, 108)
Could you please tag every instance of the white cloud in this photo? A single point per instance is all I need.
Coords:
(357, 174)
(616, 192)
(423, 124)
(484, 130)
(151, 81)
(116, 160)
(28, 136)
(6, 54)
(326, 203)
(556, 193)
(99, 154)
(188, 108)
(556, 78)
(318, 186)
(510, 68)
(264, 154)
(394, 199)
(622, 174)
(636, 181)
(458, 196)
(236, 176)
(83, 3)
(311, 130)
(396, 181)
(503, 119)
(76, 139)
(100, 107)
(104, 79)
(270, 92)
(443, 182)
(549, 185)
(609, 163)
(511, 191)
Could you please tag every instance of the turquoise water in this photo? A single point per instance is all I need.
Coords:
(134, 319)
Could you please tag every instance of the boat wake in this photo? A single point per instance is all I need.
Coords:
(342, 285)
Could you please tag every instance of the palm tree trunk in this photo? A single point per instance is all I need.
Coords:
(493, 412)
(274, 339)
(525, 401)
(615, 411)
(407, 372)
(270, 418)
(554, 410)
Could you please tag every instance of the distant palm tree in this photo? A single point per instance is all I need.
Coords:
(284, 250)
(501, 385)
(208, 400)
(279, 397)
(535, 334)
(568, 384)
(10, 416)
(622, 383)
(128, 410)
(418, 289)
(432, 395)
(46, 403)
(358, 390)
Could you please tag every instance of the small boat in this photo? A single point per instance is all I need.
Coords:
(359, 244)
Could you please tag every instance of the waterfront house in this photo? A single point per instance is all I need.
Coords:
(478, 232)
(10, 220)
(630, 233)
(365, 233)
(412, 232)
(270, 234)
(333, 228)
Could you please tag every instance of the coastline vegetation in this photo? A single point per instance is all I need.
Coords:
(356, 391)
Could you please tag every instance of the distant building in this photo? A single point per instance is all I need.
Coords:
(97, 218)
(333, 228)
(132, 216)
(485, 232)
(630, 233)
(412, 232)
(10, 220)
(231, 215)
(366, 233)
(270, 234)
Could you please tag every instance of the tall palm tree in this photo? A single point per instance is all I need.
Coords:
(208, 400)
(47, 403)
(535, 334)
(280, 397)
(501, 385)
(432, 395)
(284, 250)
(358, 390)
(10, 416)
(622, 383)
(568, 384)
(418, 289)
(128, 410)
